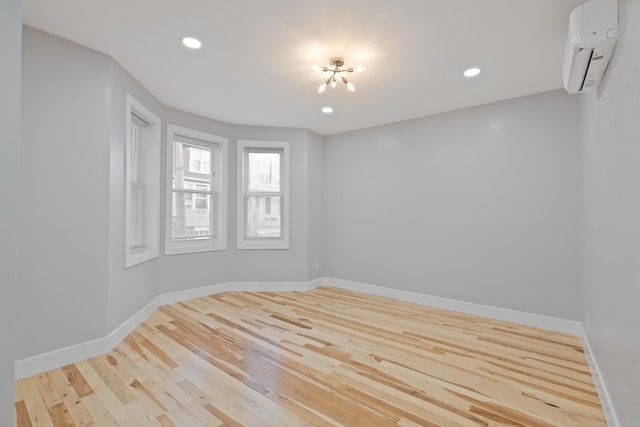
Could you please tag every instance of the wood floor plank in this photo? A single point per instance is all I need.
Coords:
(326, 357)
(77, 410)
(60, 415)
(37, 410)
(103, 392)
(22, 414)
(77, 380)
(98, 410)
(47, 390)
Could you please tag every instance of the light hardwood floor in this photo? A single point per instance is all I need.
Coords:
(323, 358)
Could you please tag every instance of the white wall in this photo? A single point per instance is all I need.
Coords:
(610, 134)
(10, 41)
(479, 205)
(64, 183)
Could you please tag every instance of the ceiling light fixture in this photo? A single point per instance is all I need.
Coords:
(327, 110)
(191, 42)
(337, 73)
(472, 72)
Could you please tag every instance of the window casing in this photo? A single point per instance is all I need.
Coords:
(196, 200)
(142, 183)
(263, 195)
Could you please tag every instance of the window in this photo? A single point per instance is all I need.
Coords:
(263, 195)
(199, 160)
(196, 191)
(142, 178)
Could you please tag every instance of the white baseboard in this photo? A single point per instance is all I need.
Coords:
(121, 332)
(539, 321)
(188, 294)
(316, 283)
(57, 358)
(598, 379)
(34, 365)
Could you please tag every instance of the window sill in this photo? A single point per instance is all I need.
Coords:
(194, 248)
(247, 244)
(139, 258)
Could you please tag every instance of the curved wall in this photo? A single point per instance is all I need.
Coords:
(73, 284)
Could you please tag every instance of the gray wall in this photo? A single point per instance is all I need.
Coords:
(132, 288)
(64, 177)
(610, 133)
(180, 272)
(315, 169)
(10, 40)
(482, 212)
(275, 265)
(479, 205)
(73, 285)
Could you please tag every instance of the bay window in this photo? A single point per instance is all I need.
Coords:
(196, 191)
(263, 195)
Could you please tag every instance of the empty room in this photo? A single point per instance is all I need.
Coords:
(348, 213)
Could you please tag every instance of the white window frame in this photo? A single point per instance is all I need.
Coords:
(151, 135)
(266, 243)
(219, 166)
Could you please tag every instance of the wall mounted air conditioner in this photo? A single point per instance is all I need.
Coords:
(593, 33)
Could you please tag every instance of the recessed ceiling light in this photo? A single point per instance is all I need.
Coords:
(327, 110)
(191, 43)
(472, 72)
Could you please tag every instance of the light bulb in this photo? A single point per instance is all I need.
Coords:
(322, 88)
(333, 83)
(315, 68)
(472, 72)
(359, 69)
(351, 87)
(191, 42)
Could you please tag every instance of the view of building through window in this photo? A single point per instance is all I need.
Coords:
(264, 201)
(199, 160)
(193, 193)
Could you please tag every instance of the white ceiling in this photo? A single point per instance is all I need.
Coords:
(255, 66)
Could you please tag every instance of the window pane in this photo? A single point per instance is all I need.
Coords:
(135, 155)
(264, 217)
(199, 159)
(264, 172)
(199, 169)
(136, 216)
(136, 189)
(191, 216)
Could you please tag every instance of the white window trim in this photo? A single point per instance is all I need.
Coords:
(152, 180)
(243, 243)
(170, 247)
